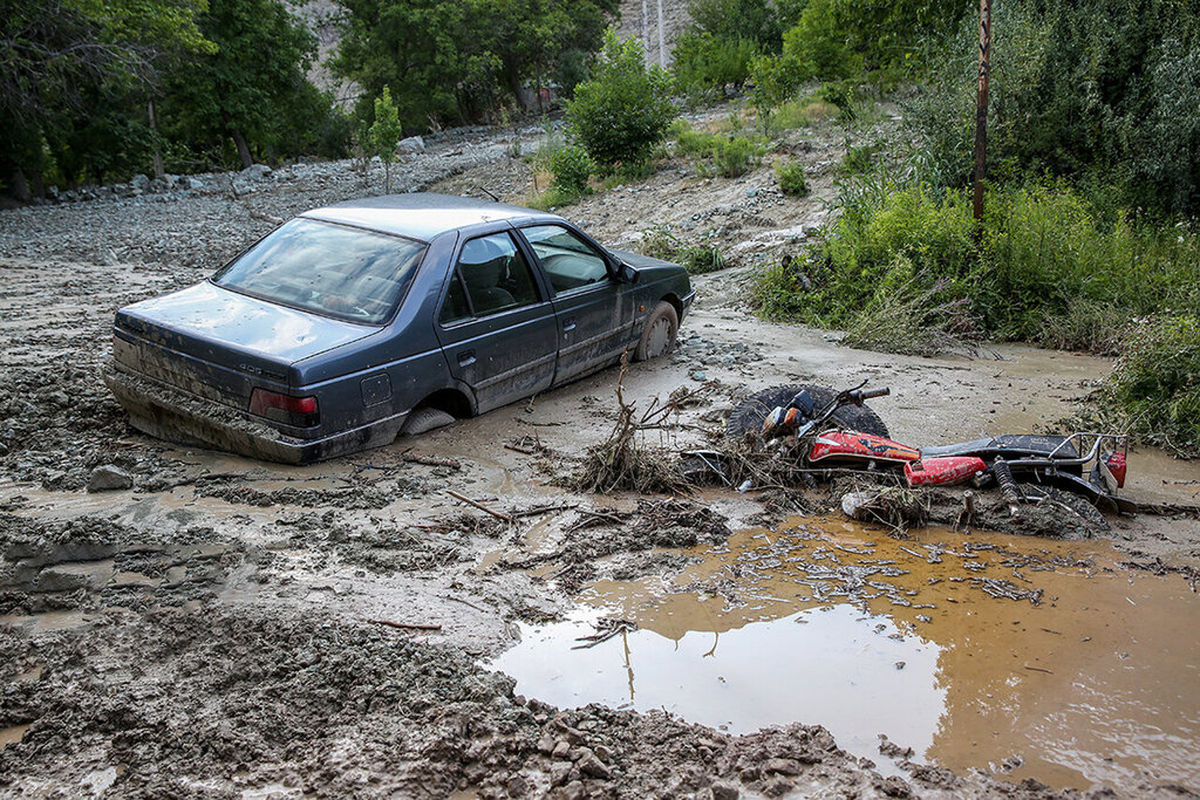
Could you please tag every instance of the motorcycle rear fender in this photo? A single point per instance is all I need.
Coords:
(860, 447)
(949, 471)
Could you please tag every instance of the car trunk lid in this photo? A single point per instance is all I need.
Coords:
(220, 344)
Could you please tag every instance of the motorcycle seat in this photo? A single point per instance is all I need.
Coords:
(1014, 445)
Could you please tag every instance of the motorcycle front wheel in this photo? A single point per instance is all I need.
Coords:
(747, 416)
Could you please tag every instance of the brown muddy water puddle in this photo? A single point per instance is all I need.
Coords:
(1029, 658)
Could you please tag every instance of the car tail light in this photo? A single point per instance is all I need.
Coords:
(299, 411)
(1116, 465)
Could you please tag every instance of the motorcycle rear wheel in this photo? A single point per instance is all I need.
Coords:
(747, 416)
(1073, 512)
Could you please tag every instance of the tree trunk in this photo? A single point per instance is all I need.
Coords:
(159, 172)
(242, 148)
(20, 186)
(981, 104)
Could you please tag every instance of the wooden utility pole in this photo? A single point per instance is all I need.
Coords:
(981, 106)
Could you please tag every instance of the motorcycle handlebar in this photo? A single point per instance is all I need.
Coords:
(867, 394)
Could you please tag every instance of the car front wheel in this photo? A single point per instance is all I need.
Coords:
(658, 337)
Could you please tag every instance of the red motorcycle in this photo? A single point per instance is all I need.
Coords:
(823, 431)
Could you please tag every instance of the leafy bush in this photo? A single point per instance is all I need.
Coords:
(1041, 264)
(912, 320)
(1154, 389)
(571, 167)
(625, 109)
(659, 242)
(729, 156)
(790, 176)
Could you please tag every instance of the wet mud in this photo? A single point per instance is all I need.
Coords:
(214, 626)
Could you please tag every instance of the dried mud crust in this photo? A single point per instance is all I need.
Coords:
(204, 704)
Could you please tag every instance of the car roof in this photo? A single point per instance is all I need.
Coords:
(420, 215)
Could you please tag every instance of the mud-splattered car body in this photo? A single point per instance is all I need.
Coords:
(476, 305)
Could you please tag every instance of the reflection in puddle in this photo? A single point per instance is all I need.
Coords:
(825, 664)
(1090, 675)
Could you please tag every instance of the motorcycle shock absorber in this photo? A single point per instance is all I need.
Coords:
(1008, 486)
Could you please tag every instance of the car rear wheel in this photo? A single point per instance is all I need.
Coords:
(658, 337)
(425, 419)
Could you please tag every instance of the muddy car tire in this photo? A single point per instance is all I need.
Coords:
(747, 416)
(658, 336)
(426, 419)
(1078, 517)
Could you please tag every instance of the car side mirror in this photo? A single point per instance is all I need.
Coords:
(626, 274)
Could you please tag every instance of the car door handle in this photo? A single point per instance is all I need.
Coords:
(466, 358)
(568, 326)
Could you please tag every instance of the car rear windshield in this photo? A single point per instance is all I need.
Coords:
(334, 270)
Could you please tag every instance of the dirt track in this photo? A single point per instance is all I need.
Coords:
(213, 630)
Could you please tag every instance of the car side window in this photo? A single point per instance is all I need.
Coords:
(455, 309)
(569, 261)
(495, 277)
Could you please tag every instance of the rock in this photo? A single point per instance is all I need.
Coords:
(698, 375)
(782, 766)
(413, 144)
(518, 786)
(108, 478)
(193, 182)
(723, 791)
(895, 786)
(592, 766)
(52, 579)
(560, 773)
(3, 449)
(546, 744)
(139, 182)
(777, 787)
(561, 749)
(572, 791)
(255, 172)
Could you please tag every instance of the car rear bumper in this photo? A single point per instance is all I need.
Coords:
(172, 414)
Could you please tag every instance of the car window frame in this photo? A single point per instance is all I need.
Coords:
(454, 274)
(401, 296)
(600, 250)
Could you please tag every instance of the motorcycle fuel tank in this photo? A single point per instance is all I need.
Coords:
(860, 446)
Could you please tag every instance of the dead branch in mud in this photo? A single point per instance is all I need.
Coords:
(405, 626)
(429, 461)
(622, 461)
(481, 506)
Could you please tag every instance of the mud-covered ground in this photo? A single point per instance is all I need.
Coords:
(217, 627)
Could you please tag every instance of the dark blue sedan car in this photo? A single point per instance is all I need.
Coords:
(354, 323)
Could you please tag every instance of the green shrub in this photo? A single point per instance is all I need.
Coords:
(1043, 267)
(912, 319)
(659, 242)
(859, 159)
(790, 176)
(704, 64)
(625, 109)
(1154, 389)
(571, 167)
(728, 156)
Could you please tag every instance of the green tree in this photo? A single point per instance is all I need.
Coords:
(625, 109)
(58, 58)
(385, 134)
(453, 61)
(247, 89)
